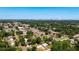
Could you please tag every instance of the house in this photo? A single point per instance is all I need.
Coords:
(11, 40)
(62, 38)
(37, 32)
(21, 28)
(55, 34)
(72, 41)
(45, 44)
(40, 48)
(76, 37)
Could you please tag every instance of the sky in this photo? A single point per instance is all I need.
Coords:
(39, 13)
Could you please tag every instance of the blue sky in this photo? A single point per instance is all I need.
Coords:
(39, 12)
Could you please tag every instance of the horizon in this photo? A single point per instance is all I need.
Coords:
(39, 19)
(47, 13)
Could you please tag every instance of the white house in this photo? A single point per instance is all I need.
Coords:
(11, 40)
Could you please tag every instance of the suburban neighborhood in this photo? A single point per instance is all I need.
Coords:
(30, 36)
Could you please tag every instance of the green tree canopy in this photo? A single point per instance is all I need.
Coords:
(61, 46)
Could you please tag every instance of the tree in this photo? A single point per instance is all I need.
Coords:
(22, 41)
(18, 49)
(6, 34)
(38, 40)
(19, 32)
(61, 46)
(29, 34)
(29, 49)
(47, 39)
(33, 41)
(10, 49)
(33, 48)
(2, 33)
(16, 43)
(1, 27)
(3, 44)
(77, 46)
